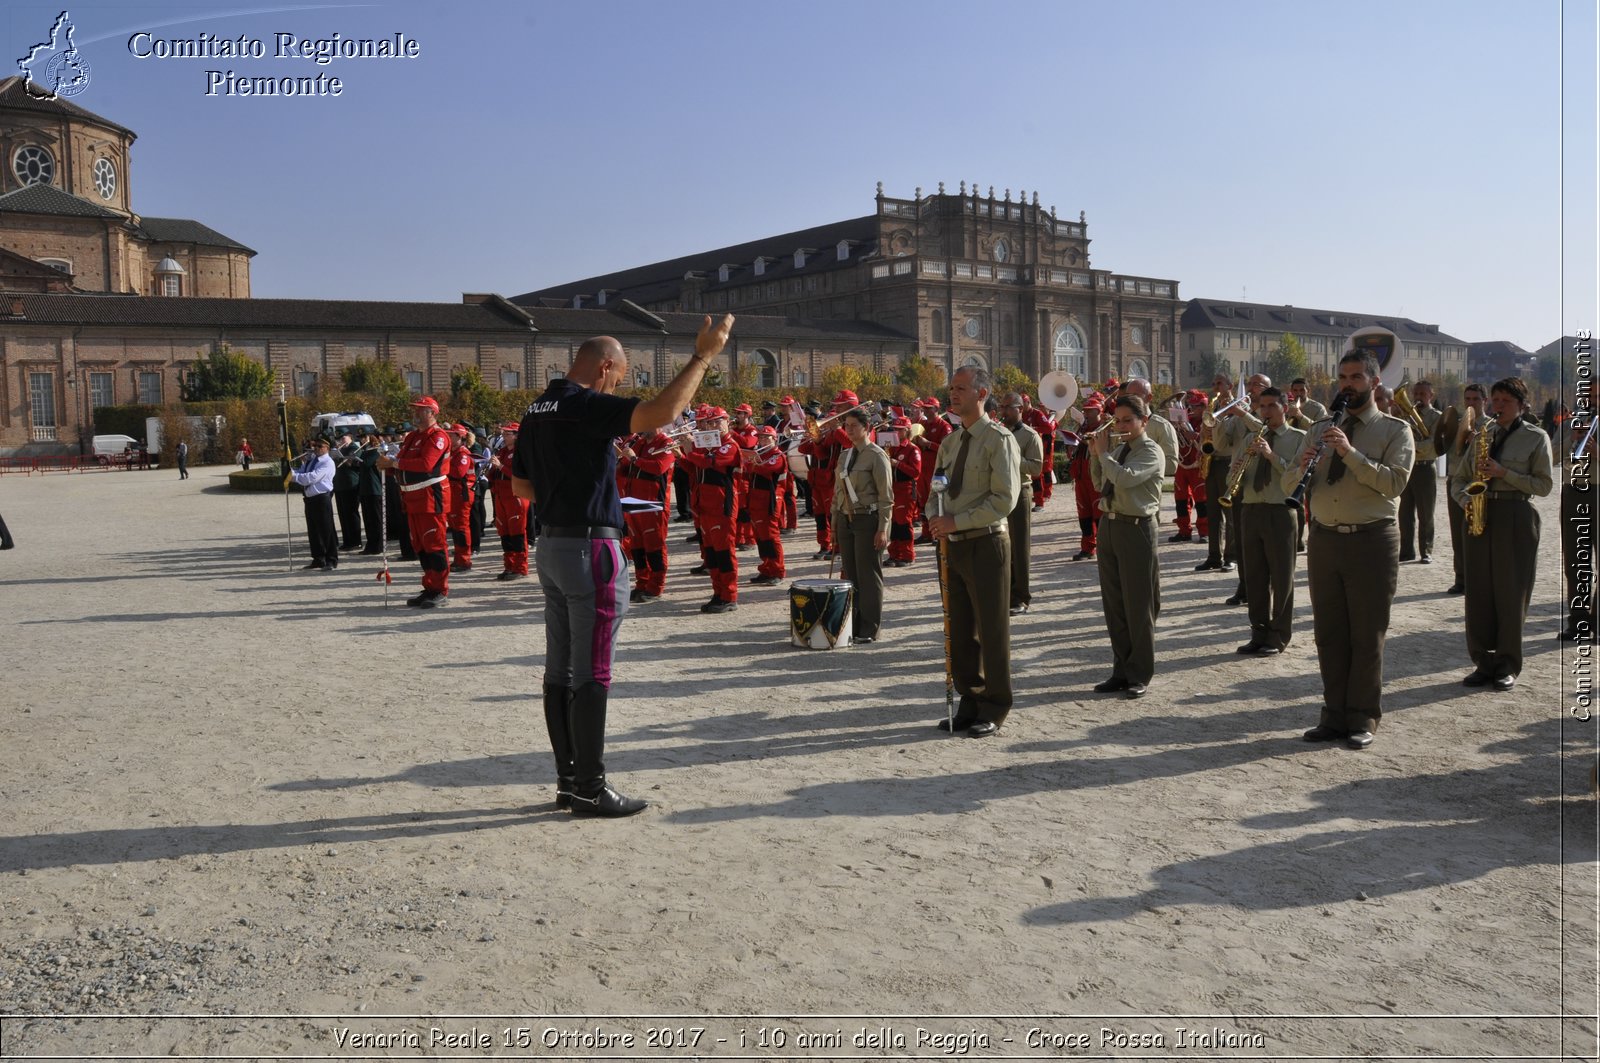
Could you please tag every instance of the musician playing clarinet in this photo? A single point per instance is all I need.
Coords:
(1353, 556)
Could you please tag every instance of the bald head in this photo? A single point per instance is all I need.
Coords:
(600, 363)
(1138, 387)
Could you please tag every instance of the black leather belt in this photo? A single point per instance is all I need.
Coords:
(581, 532)
(1352, 529)
(976, 533)
(1510, 496)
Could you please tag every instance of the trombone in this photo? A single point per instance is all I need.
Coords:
(816, 429)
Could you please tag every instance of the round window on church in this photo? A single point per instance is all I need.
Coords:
(973, 328)
(105, 178)
(33, 165)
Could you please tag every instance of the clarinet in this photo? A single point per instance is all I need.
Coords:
(1335, 410)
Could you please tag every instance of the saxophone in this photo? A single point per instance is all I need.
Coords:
(1236, 470)
(1478, 490)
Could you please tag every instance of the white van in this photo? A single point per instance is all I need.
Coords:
(111, 446)
(334, 425)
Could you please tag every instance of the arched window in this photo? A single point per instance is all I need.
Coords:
(1070, 353)
(937, 321)
(1139, 368)
(977, 360)
(766, 364)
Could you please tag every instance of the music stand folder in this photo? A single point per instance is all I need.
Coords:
(640, 505)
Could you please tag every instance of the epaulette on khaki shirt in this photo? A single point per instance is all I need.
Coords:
(1527, 461)
(1376, 469)
(991, 480)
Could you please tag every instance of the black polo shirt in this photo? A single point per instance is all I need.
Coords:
(564, 449)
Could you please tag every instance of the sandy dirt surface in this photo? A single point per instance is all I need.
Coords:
(255, 796)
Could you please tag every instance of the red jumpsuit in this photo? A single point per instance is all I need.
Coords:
(934, 429)
(648, 475)
(712, 501)
(463, 480)
(1040, 421)
(768, 477)
(745, 438)
(905, 464)
(1087, 497)
(510, 513)
(1187, 484)
(824, 454)
(423, 462)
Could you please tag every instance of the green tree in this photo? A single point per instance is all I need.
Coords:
(1012, 378)
(471, 399)
(373, 378)
(837, 378)
(921, 375)
(226, 374)
(1206, 367)
(1287, 360)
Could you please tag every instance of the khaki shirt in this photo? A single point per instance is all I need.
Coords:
(1285, 445)
(1376, 470)
(1031, 448)
(869, 477)
(1160, 429)
(1229, 430)
(1137, 477)
(1426, 451)
(1313, 410)
(991, 481)
(1526, 457)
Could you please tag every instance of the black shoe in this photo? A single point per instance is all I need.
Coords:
(645, 597)
(1407, 557)
(607, 803)
(434, 601)
(330, 565)
(1038, 509)
(417, 600)
(983, 729)
(692, 538)
(863, 640)
(1208, 565)
(1455, 588)
(1504, 682)
(1083, 555)
(379, 551)
(765, 581)
(1135, 690)
(922, 540)
(718, 605)
(1269, 651)
(1324, 733)
(508, 575)
(1179, 537)
(1112, 685)
(456, 566)
(1018, 610)
(1478, 678)
(1235, 599)
(699, 570)
(1227, 566)
(314, 564)
(633, 596)
(960, 724)
(1248, 648)
(1425, 560)
(1358, 740)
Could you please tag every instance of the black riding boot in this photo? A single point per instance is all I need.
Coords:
(556, 702)
(591, 796)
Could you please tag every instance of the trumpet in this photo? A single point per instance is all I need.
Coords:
(675, 436)
(1209, 418)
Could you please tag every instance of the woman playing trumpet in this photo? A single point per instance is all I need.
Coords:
(1127, 466)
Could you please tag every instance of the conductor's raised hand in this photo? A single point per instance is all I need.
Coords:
(712, 338)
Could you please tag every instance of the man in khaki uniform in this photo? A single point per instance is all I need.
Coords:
(980, 463)
(1267, 529)
(1031, 448)
(1500, 563)
(1235, 429)
(1421, 496)
(1129, 472)
(1353, 558)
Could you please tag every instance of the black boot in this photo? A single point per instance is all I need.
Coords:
(5, 536)
(587, 720)
(556, 702)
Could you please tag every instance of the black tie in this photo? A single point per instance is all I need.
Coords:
(1263, 465)
(1110, 490)
(961, 464)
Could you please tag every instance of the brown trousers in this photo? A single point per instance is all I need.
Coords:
(1266, 552)
(863, 566)
(1020, 524)
(1500, 566)
(977, 578)
(1130, 593)
(1353, 580)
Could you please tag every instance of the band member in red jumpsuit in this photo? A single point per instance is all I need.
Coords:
(423, 465)
(511, 514)
(768, 473)
(1188, 486)
(1083, 489)
(743, 431)
(934, 429)
(905, 470)
(1039, 419)
(644, 470)
(463, 484)
(712, 474)
(824, 453)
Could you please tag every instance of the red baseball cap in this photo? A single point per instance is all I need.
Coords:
(1195, 397)
(513, 427)
(713, 412)
(846, 397)
(743, 407)
(900, 422)
(787, 400)
(461, 430)
(426, 402)
(767, 430)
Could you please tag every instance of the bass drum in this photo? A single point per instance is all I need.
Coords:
(797, 464)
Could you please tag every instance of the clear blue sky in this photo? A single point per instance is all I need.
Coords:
(1385, 156)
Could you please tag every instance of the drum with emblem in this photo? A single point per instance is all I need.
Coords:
(819, 613)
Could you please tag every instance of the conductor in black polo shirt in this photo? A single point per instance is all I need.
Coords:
(565, 463)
